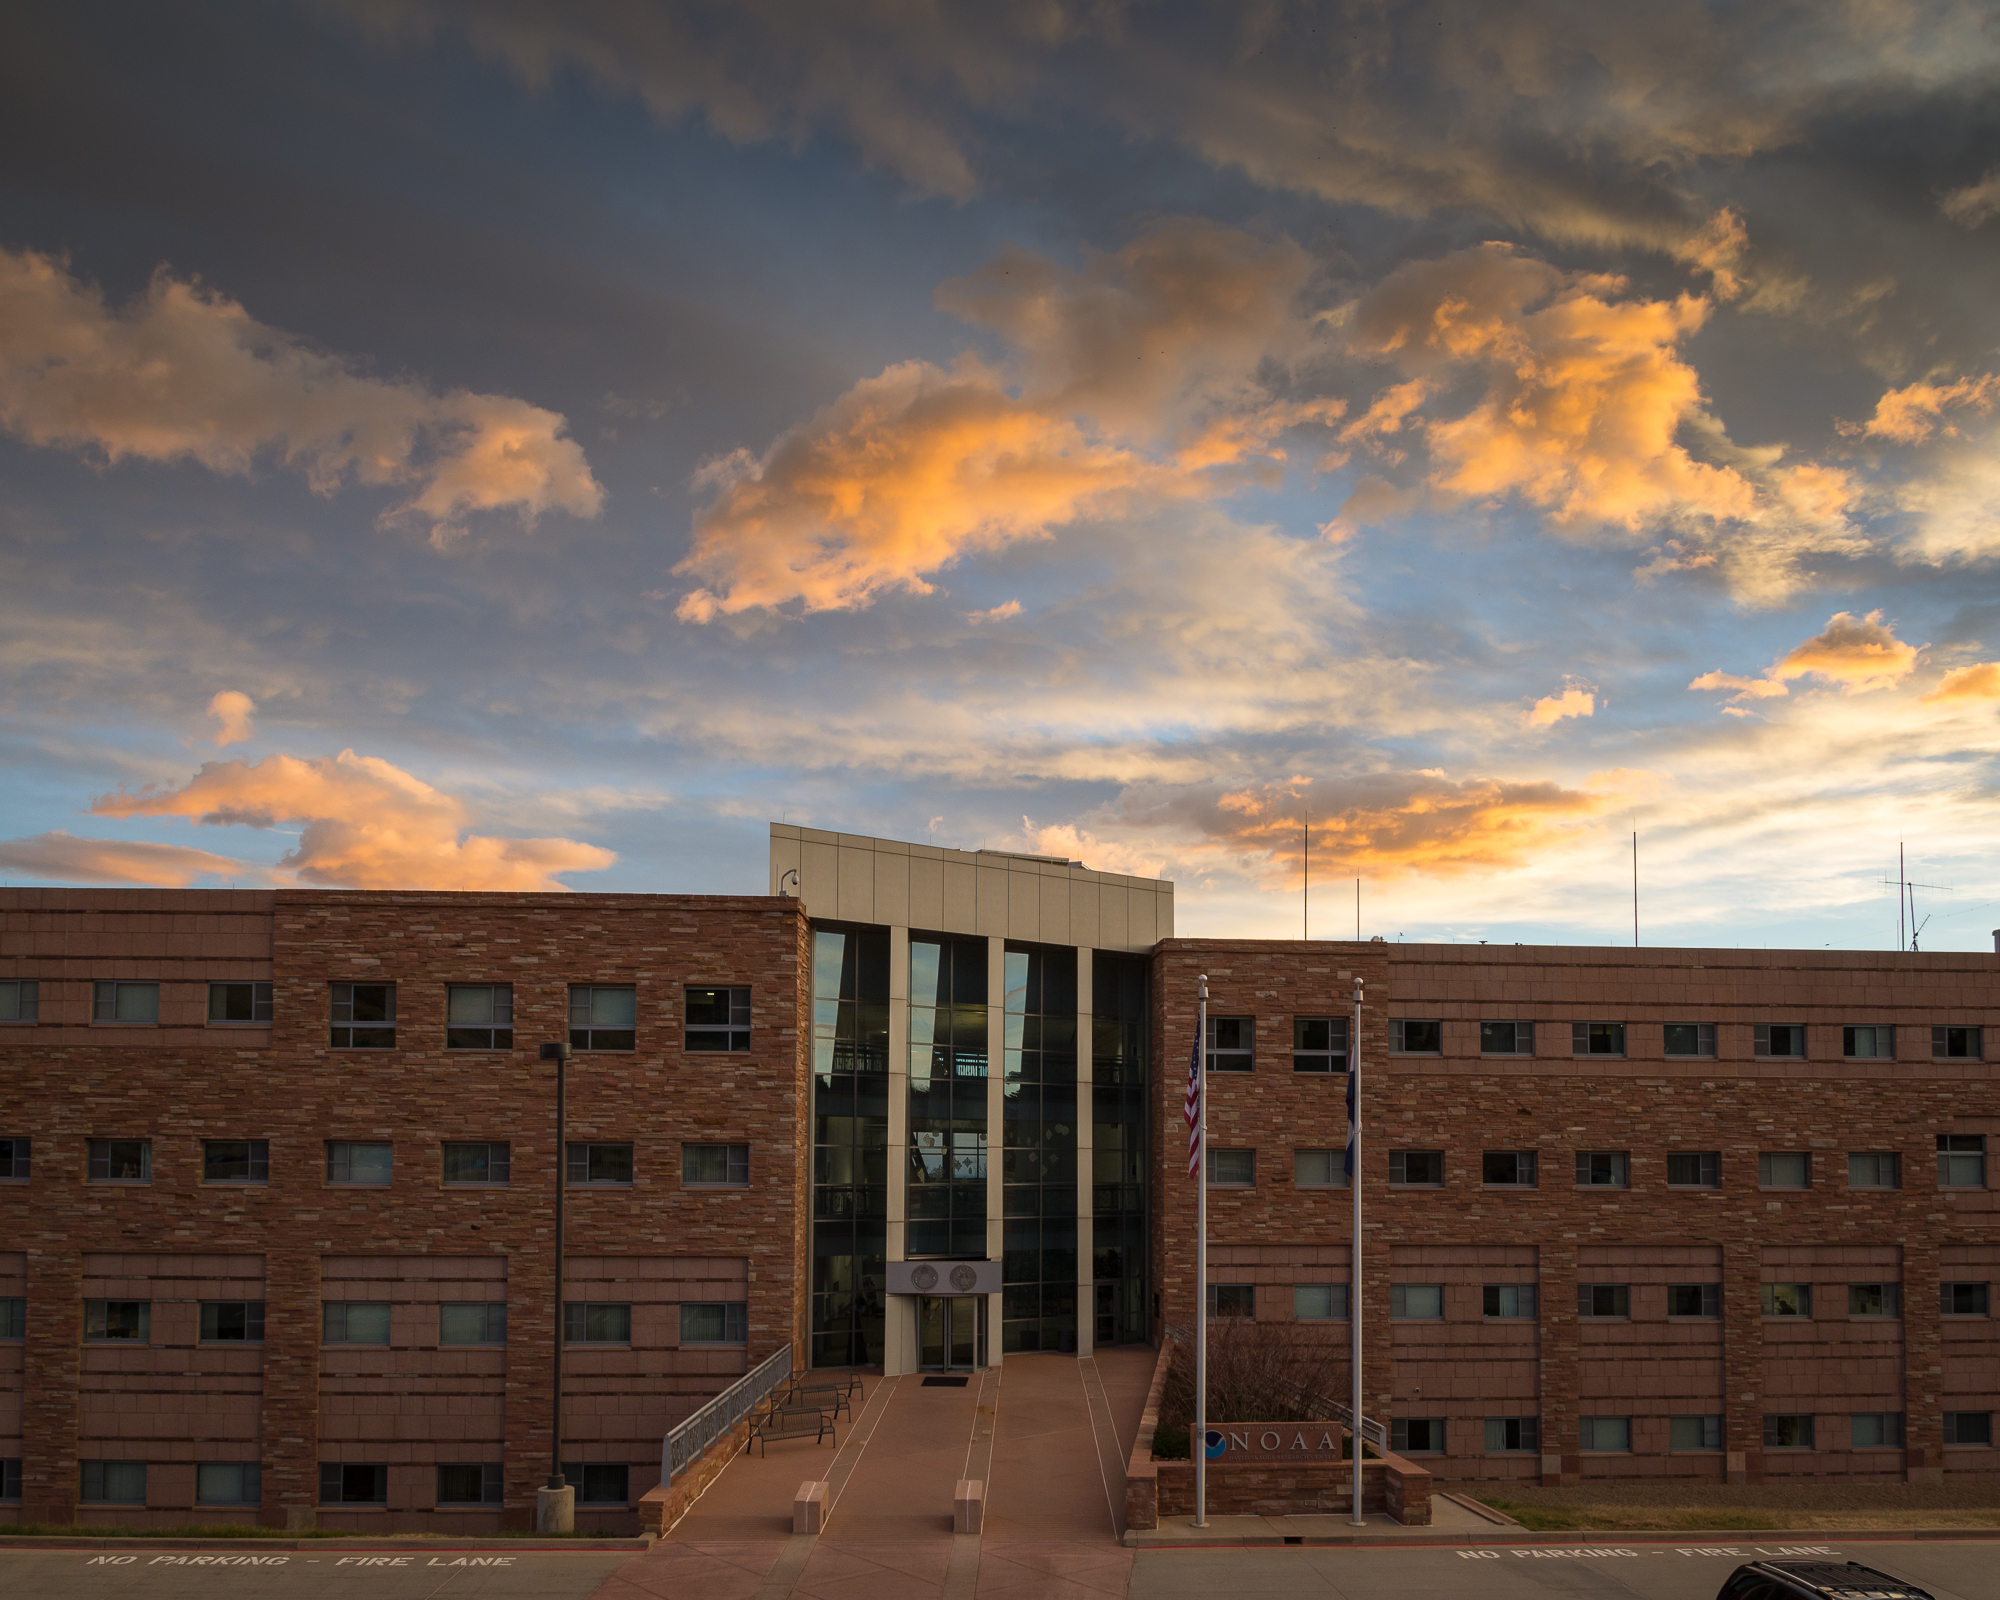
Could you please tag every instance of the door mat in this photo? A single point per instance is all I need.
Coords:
(944, 1383)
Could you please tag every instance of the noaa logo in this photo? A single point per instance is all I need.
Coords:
(1213, 1444)
(962, 1278)
(924, 1277)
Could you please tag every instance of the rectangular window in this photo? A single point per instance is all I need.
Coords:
(236, 1161)
(228, 1483)
(354, 1322)
(1508, 1169)
(1413, 1036)
(1319, 1169)
(1784, 1040)
(1968, 1427)
(1417, 1302)
(232, 1322)
(363, 1016)
(1231, 1044)
(1868, 1044)
(1786, 1299)
(609, 1164)
(1690, 1039)
(1874, 1299)
(360, 1161)
(346, 1483)
(242, 1004)
(471, 1484)
(603, 1016)
(1875, 1430)
(10, 1477)
(1509, 1301)
(1417, 1169)
(716, 1322)
(1604, 1300)
(1694, 1299)
(1417, 1436)
(125, 1002)
(1875, 1169)
(1319, 1302)
(1791, 1430)
(718, 1019)
(121, 1161)
(14, 1159)
(1597, 1038)
(478, 1163)
(1955, 1044)
(1961, 1159)
(472, 1322)
(1694, 1169)
(1232, 1169)
(13, 1318)
(1506, 1038)
(1694, 1433)
(127, 1320)
(1604, 1433)
(1319, 1044)
(598, 1483)
(1233, 1300)
(112, 1483)
(1784, 1169)
(725, 1166)
(479, 1016)
(1964, 1299)
(1603, 1169)
(1506, 1435)
(20, 999)
(596, 1322)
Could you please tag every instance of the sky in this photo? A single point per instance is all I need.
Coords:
(1401, 449)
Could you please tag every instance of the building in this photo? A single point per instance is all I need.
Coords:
(278, 1170)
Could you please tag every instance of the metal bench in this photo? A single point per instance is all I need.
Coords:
(832, 1395)
(790, 1422)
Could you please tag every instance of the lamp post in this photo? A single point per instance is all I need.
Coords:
(555, 1505)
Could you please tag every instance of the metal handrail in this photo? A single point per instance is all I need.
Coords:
(1318, 1406)
(688, 1439)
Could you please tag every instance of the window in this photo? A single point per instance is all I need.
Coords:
(1319, 1169)
(1603, 1169)
(1694, 1433)
(472, 1322)
(228, 1483)
(1319, 1302)
(129, 1320)
(235, 1161)
(1511, 1169)
(10, 1477)
(716, 1322)
(603, 1016)
(239, 1003)
(1786, 1299)
(125, 1002)
(1509, 1301)
(598, 1483)
(1955, 1044)
(1417, 1436)
(1875, 1430)
(1875, 1169)
(364, 1016)
(1694, 1299)
(478, 1484)
(479, 1016)
(14, 1159)
(1417, 1169)
(1597, 1038)
(718, 1019)
(1689, 1039)
(1604, 1300)
(600, 1163)
(232, 1322)
(1319, 1044)
(1233, 1300)
(1963, 1299)
(478, 1163)
(1788, 1431)
(360, 1162)
(113, 1483)
(1508, 1434)
(1417, 1302)
(1694, 1169)
(14, 1317)
(1231, 1044)
(349, 1484)
(595, 1322)
(1232, 1169)
(121, 1161)
(1782, 1039)
(718, 1165)
(1409, 1036)
(1870, 1044)
(354, 1322)
(1961, 1161)
(1968, 1427)
(1784, 1169)
(1506, 1038)
(20, 999)
(1874, 1299)
(1604, 1433)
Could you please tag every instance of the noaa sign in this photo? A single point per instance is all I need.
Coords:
(942, 1277)
(1266, 1440)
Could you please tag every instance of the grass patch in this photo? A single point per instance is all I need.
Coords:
(227, 1530)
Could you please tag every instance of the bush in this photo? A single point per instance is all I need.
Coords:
(1257, 1372)
(1170, 1442)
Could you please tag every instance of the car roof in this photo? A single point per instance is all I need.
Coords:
(1851, 1581)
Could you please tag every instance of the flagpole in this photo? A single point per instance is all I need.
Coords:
(1354, 1185)
(1198, 1437)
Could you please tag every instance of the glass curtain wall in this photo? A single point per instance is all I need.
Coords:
(850, 1144)
(1038, 1167)
(945, 1201)
(1118, 1056)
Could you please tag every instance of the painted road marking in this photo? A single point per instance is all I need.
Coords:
(1598, 1552)
(279, 1561)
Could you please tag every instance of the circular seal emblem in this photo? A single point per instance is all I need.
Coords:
(963, 1278)
(924, 1277)
(1214, 1444)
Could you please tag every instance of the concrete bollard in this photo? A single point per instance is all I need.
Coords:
(968, 1505)
(809, 1508)
(555, 1510)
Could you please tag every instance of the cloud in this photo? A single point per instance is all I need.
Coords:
(1551, 709)
(1910, 415)
(184, 373)
(1973, 204)
(999, 613)
(66, 859)
(1718, 250)
(1853, 654)
(1978, 682)
(368, 825)
(232, 709)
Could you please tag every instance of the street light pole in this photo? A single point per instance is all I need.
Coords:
(555, 1510)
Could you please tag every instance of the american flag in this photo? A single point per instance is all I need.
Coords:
(1192, 1109)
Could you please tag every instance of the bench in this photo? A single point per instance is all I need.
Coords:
(832, 1396)
(790, 1422)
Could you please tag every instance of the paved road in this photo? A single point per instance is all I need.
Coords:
(251, 1574)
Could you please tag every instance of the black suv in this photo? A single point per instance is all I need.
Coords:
(1815, 1580)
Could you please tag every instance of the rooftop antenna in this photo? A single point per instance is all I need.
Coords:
(1306, 893)
(1907, 926)
(1635, 888)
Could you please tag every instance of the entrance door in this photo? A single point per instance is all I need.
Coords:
(1107, 1312)
(952, 1332)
